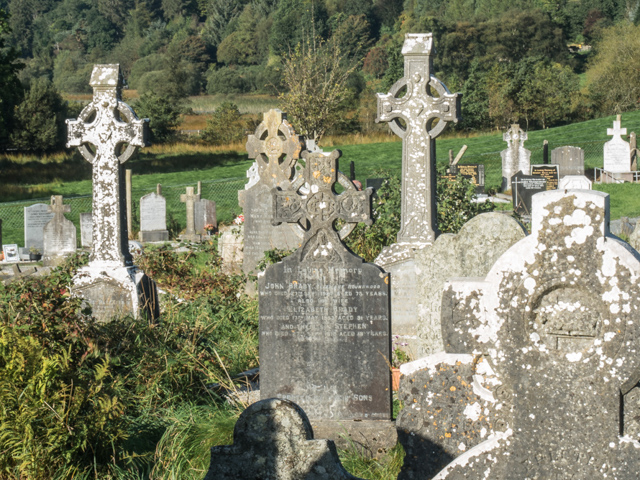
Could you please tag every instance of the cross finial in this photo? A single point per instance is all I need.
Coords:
(57, 207)
(616, 130)
(275, 146)
(321, 207)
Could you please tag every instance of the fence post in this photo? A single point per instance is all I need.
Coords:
(545, 152)
(129, 202)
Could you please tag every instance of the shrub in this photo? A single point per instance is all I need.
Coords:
(226, 80)
(226, 125)
(163, 114)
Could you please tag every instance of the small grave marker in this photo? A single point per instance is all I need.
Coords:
(35, 218)
(190, 199)
(523, 187)
(569, 159)
(205, 214)
(86, 230)
(153, 217)
(59, 233)
(550, 172)
(472, 172)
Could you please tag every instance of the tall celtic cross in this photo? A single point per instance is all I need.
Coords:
(276, 148)
(320, 208)
(418, 109)
(114, 131)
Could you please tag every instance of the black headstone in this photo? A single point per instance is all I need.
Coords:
(324, 312)
(523, 187)
(472, 172)
(550, 172)
(375, 184)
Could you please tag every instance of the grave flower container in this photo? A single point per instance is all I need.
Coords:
(395, 379)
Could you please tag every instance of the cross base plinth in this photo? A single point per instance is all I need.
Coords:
(114, 292)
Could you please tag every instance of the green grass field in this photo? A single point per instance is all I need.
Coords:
(223, 173)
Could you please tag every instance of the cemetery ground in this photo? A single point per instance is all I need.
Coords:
(130, 399)
(31, 177)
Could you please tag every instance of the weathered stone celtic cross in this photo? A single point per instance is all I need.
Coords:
(419, 110)
(321, 207)
(114, 131)
(190, 198)
(111, 284)
(57, 207)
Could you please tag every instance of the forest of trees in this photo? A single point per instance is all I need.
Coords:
(510, 58)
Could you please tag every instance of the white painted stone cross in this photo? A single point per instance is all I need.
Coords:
(617, 152)
(115, 131)
(111, 284)
(425, 117)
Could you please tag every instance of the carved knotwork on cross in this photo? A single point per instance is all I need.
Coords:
(320, 208)
(276, 148)
(419, 110)
(114, 131)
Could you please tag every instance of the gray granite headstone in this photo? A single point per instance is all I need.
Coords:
(59, 234)
(276, 149)
(569, 159)
(425, 117)
(515, 158)
(469, 253)
(153, 217)
(545, 348)
(110, 283)
(324, 313)
(35, 218)
(86, 230)
(617, 152)
(273, 439)
(205, 214)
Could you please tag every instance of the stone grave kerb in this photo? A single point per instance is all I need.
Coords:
(320, 208)
(275, 147)
(114, 131)
(425, 116)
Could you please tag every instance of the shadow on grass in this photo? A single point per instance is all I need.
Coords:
(145, 163)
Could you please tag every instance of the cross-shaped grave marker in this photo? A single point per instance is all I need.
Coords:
(321, 207)
(617, 152)
(57, 207)
(190, 198)
(419, 109)
(107, 133)
(114, 131)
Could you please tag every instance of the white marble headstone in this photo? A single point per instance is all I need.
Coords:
(35, 218)
(617, 152)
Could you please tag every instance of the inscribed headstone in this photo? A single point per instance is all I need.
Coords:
(59, 234)
(110, 283)
(276, 149)
(549, 172)
(35, 218)
(556, 321)
(575, 182)
(205, 214)
(324, 312)
(515, 158)
(469, 253)
(569, 159)
(153, 217)
(273, 439)
(230, 249)
(617, 152)
(425, 116)
(523, 188)
(86, 230)
(472, 172)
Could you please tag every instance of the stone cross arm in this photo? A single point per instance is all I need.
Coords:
(57, 206)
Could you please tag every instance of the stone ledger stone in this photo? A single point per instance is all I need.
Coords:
(470, 253)
(86, 230)
(556, 319)
(569, 159)
(35, 218)
(419, 110)
(110, 283)
(276, 149)
(273, 439)
(515, 158)
(153, 218)
(59, 234)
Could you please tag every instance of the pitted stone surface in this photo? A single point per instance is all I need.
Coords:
(557, 318)
(324, 313)
(273, 440)
(470, 253)
(276, 149)
(108, 124)
(515, 158)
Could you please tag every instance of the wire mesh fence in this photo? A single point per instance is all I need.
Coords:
(223, 191)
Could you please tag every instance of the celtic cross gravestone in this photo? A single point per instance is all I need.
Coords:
(515, 158)
(276, 149)
(59, 234)
(418, 117)
(107, 133)
(324, 313)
